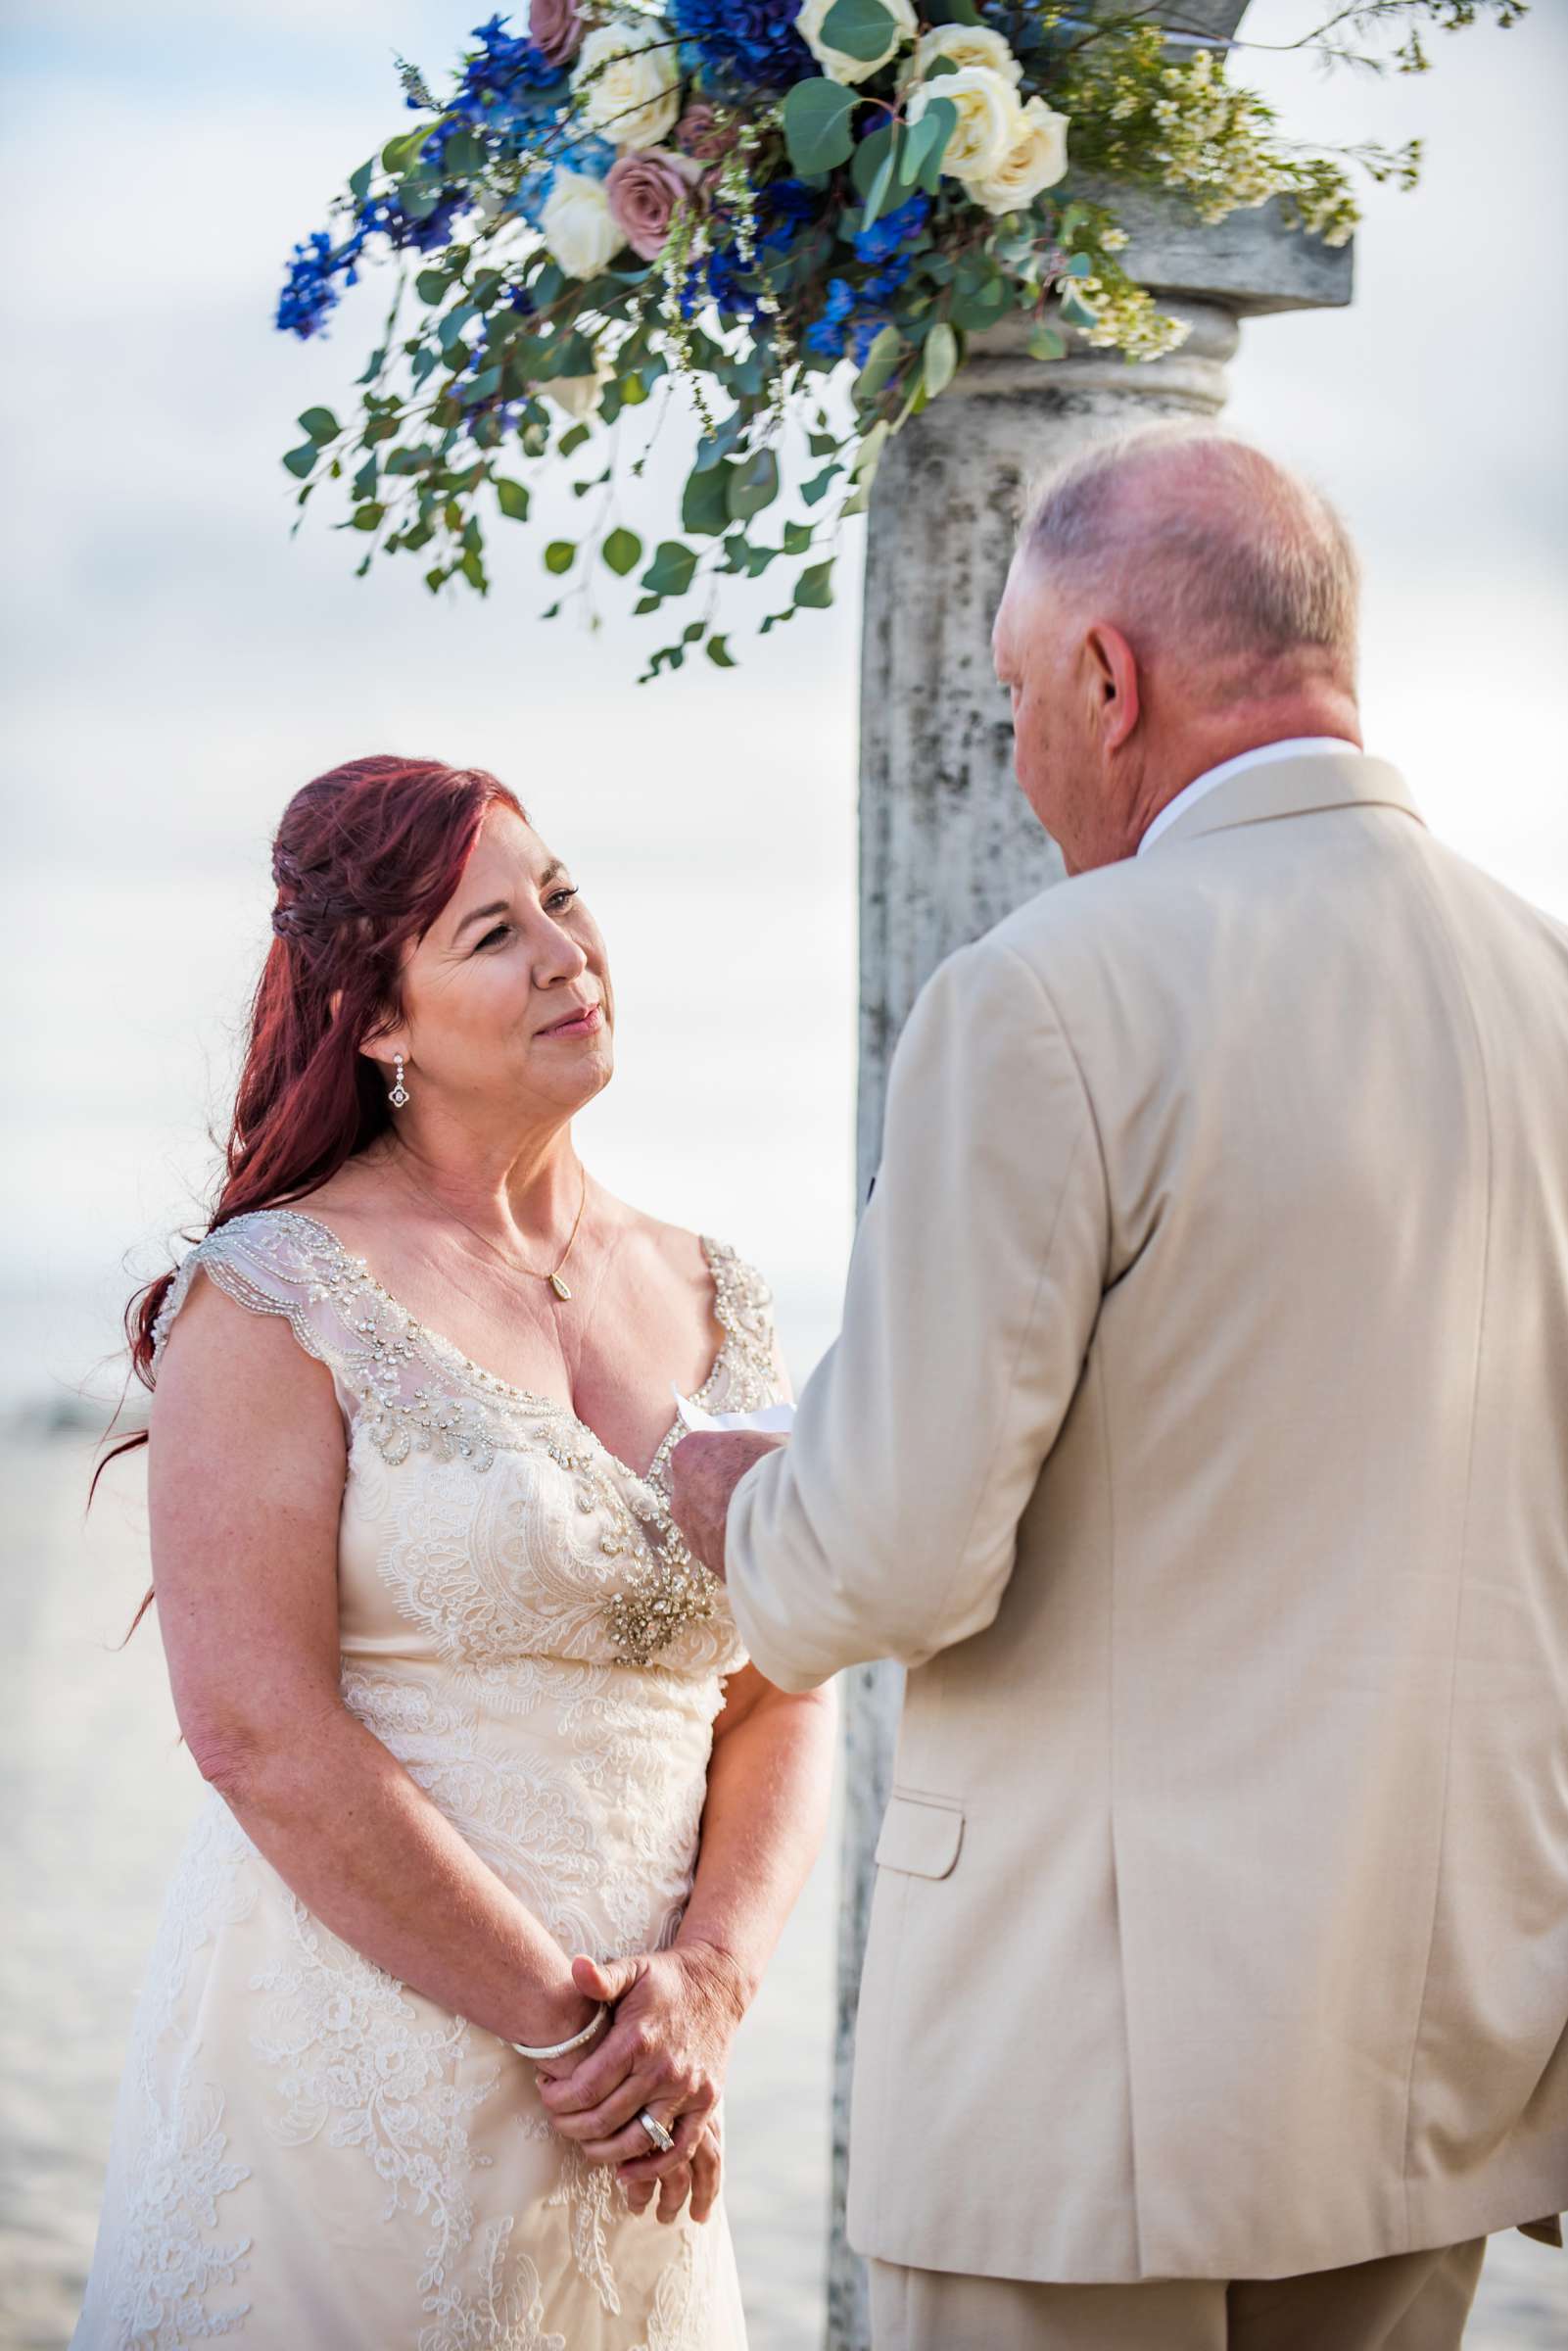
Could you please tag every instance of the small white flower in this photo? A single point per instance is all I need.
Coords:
(833, 62)
(989, 119)
(967, 45)
(1038, 159)
(579, 229)
(630, 82)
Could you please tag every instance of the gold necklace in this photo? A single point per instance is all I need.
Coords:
(560, 1288)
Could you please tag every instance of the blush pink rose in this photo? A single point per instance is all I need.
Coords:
(556, 29)
(644, 186)
(703, 132)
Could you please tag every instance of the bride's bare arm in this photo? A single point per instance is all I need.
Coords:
(246, 1483)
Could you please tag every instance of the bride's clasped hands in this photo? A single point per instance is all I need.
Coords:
(665, 2051)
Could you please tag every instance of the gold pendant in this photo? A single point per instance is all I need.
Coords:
(558, 1286)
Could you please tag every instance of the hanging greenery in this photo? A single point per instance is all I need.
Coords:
(747, 197)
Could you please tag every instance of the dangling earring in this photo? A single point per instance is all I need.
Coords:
(400, 1092)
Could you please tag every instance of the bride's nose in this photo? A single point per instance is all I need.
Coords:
(559, 957)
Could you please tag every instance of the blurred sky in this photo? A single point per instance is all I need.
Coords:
(175, 666)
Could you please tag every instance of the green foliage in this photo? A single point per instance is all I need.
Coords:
(859, 28)
(854, 277)
(815, 124)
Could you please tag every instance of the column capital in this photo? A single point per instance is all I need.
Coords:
(1251, 262)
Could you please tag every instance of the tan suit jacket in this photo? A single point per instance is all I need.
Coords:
(1198, 1436)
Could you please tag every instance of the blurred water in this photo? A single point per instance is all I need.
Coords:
(97, 1796)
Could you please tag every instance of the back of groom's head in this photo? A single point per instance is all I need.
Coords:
(1177, 597)
(1200, 542)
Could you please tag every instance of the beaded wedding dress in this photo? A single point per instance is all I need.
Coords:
(309, 2155)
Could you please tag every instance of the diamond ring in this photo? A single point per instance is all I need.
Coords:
(656, 2131)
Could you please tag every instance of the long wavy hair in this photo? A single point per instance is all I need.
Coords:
(364, 859)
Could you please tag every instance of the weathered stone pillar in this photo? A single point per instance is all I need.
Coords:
(947, 845)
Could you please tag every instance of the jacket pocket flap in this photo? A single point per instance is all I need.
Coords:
(921, 1835)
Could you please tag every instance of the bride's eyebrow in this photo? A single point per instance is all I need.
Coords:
(481, 914)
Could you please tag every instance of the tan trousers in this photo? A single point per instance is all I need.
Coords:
(1408, 2302)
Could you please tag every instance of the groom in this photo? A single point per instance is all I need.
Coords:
(1197, 1437)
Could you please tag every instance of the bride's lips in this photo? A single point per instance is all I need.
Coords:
(586, 1021)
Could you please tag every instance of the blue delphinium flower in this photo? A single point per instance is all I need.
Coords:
(503, 64)
(749, 44)
(826, 333)
(852, 317)
(309, 292)
(885, 236)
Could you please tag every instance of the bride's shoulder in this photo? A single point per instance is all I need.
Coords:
(699, 1260)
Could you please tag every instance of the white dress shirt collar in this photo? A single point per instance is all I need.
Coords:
(1294, 748)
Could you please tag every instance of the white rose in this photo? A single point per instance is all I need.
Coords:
(968, 45)
(630, 82)
(834, 63)
(1036, 160)
(579, 229)
(989, 119)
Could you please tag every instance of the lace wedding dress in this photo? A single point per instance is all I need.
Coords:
(309, 2155)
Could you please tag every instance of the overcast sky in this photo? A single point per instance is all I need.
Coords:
(175, 666)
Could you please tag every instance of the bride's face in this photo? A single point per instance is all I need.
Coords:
(508, 1004)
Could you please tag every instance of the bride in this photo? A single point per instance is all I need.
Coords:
(501, 1827)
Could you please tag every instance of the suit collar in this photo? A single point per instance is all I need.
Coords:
(1298, 787)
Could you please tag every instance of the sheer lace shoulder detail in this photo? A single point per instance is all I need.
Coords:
(745, 1371)
(276, 1261)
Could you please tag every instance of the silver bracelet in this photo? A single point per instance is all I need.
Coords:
(563, 2048)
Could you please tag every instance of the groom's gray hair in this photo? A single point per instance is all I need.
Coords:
(1196, 543)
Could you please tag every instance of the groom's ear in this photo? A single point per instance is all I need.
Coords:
(1112, 668)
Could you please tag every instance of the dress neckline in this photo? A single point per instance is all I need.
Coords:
(533, 1398)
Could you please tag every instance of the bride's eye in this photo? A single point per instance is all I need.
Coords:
(560, 900)
(500, 931)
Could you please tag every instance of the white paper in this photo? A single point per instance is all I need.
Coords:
(774, 1419)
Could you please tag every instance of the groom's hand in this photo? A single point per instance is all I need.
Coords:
(704, 1471)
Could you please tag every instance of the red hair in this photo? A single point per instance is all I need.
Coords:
(364, 859)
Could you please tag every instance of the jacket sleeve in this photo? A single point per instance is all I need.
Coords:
(888, 1525)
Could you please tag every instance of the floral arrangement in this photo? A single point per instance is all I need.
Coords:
(752, 198)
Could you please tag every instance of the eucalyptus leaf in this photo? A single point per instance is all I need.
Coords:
(513, 499)
(705, 502)
(934, 129)
(560, 555)
(871, 153)
(622, 551)
(941, 358)
(719, 653)
(863, 29)
(817, 125)
(814, 590)
(672, 569)
(321, 426)
(881, 360)
(301, 460)
(754, 485)
(879, 188)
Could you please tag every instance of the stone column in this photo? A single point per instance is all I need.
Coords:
(947, 845)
